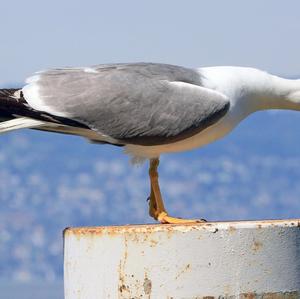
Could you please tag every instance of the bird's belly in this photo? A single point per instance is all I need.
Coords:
(204, 137)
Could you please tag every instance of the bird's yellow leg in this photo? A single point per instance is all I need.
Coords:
(156, 206)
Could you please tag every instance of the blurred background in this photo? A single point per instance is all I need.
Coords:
(50, 181)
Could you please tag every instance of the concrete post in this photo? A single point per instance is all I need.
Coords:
(224, 260)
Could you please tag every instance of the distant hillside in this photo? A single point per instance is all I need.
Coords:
(50, 181)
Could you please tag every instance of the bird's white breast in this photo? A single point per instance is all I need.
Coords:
(206, 136)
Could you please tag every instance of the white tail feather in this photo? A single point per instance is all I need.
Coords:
(19, 123)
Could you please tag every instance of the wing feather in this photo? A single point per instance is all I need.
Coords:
(145, 104)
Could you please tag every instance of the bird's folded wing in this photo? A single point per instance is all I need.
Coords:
(145, 104)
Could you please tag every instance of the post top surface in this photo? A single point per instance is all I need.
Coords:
(209, 226)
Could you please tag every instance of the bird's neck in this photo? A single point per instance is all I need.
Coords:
(251, 90)
(277, 93)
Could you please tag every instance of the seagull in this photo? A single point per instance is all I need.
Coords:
(148, 108)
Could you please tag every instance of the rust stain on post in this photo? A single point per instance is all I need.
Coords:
(232, 229)
(170, 228)
(185, 269)
(147, 286)
(251, 295)
(123, 288)
(257, 245)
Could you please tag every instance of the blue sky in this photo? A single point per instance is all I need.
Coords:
(48, 181)
(40, 34)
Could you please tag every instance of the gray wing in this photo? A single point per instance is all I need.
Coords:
(139, 103)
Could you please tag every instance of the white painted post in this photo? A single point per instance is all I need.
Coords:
(226, 260)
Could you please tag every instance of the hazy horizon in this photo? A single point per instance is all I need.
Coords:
(51, 181)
